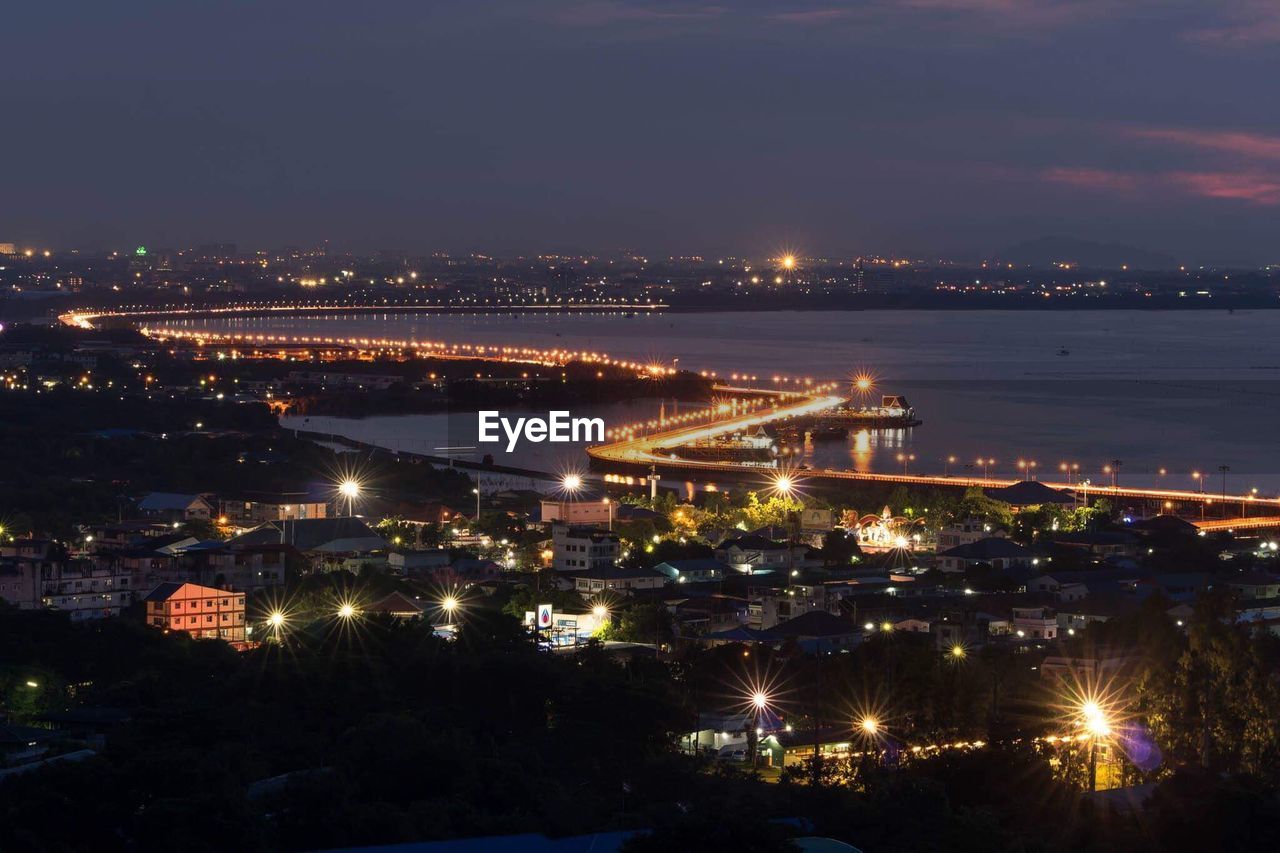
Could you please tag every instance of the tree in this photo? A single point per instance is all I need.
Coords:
(1213, 706)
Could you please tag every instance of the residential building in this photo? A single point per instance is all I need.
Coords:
(997, 552)
(576, 549)
(693, 571)
(1035, 623)
(201, 611)
(177, 507)
(253, 509)
(616, 579)
(965, 532)
(754, 554)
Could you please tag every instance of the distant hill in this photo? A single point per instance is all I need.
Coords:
(1047, 251)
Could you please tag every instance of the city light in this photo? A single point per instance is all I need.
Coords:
(870, 726)
(957, 651)
(346, 610)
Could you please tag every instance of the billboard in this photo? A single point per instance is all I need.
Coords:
(544, 616)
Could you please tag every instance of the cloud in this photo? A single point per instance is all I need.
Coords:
(1254, 188)
(1259, 188)
(813, 16)
(1237, 143)
(603, 14)
(1093, 179)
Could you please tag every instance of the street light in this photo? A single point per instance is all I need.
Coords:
(571, 483)
(476, 492)
(870, 726)
(957, 652)
(346, 610)
(349, 489)
(1097, 725)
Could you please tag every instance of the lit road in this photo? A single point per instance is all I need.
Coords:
(644, 449)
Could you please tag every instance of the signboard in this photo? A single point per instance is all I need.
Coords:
(544, 616)
(816, 520)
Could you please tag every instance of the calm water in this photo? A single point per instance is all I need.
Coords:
(1180, 390)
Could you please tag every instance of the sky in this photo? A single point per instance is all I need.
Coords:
(908, 127)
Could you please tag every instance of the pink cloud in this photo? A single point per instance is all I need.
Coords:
(605, 13)
(1250, 187)
(1241, 144)
(1255, 189)
(812, 16)
(1094, 179)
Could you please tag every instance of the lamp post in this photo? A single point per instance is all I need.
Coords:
(349, 489)
(476, 492)
(946, 465)
(1097, 726)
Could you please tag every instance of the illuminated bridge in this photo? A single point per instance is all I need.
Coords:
(646, 452)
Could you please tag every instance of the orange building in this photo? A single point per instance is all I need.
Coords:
(201, 611)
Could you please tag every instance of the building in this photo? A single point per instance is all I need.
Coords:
(414, 563)
(965, 533)
(578, 512)
(1035, 623)
(201, 611)
(87, 588)
(754, 554)
(576, 549)
(1030, 493)
(617, 579)
(176, 507)
(818, 631)
(251, 510)
(693, 571)
(322, 540)
(1253, 586)
(995, 551)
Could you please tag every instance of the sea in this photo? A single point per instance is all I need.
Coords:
(1167, 393)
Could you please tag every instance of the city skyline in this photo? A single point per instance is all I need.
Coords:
(842, 129)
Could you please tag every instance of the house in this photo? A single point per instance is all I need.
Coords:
(87, 588)
(818, 631)
(584, 512)
(1100, 543)
(201, 611)
(1035, 623)
(576, 549)
(254, 508)
(693, 571)
(1175, 586)
(593, 581)
(175, 507)
(767, 607)
(321, 539)
(1030, 493)
(1078, 614)
(414, 563)
(47, 577)
(996, 551)
(398, 606)
(225, 566)
(964, 533)
(754, 554)
(1254, 586)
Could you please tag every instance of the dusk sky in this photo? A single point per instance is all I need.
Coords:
(955, 127)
